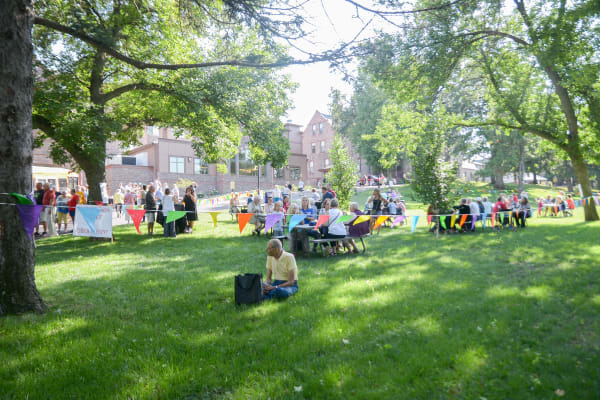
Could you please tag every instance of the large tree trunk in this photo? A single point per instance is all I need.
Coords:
(499, 180)
(95, 173)
(535, 182)
(581, 172)
(521, 164)
(18, 292)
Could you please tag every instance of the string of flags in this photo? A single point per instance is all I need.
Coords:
(29, 213)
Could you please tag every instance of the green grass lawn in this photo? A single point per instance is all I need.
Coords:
(485, 315)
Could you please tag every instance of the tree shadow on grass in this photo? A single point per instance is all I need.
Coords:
(421, 319)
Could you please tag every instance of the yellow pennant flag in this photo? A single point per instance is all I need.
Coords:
(380, 220)
(452, 220)
(361, 218)
(214, 214)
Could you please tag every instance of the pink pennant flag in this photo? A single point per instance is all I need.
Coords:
(136, 217)
(429, 219)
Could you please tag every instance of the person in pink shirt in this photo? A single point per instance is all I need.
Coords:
(129, 200)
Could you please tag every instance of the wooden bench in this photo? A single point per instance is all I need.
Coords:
(321, 241)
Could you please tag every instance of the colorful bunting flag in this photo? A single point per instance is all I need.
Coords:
(415, 218)
(463, 218)
(213, 215)
(21, 199)
(597, 201)
(474, 219)
(295, 220)
(29, 214)
(443, 221)
(136, 217)
(89, 215)
(174, 216)
(243, 220)
(346, 218)
(397, 220)
(429, 219)
(493, 219)
(271, 220)
(380, 220)
(322, 219)
(452, 220)
(361, 218)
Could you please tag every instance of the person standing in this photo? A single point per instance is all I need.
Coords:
(168, 205)
(189, 199)
(81, 194)
(129, 203)
(301, 185)
(38, 195)
(150, 207)
(62, 211)
(118, 200)
(49, 201)
(72, 205)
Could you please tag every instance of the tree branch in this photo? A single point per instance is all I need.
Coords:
(98, 44)
(486, 33)
(422, 10)
(522, 128)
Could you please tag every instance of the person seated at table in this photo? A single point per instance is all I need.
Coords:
(521, 212)
(392, 207)
(570, 203)
(294, 209)
(258, 219)
(474, 214)
(500, 207)
(278, 227)
(358, 230)
(282, 272)
(335, 229)
(463, 209)
(549, 205)
(270, 204)
(309, 211)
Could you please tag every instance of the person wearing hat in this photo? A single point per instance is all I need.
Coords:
(270, 205)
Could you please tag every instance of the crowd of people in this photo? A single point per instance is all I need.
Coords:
(58, 206)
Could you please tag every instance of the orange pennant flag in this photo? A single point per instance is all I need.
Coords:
(493, 218)
(243, 220)
(380, 220)
(463, 218)
(322, 219)
(556, 209)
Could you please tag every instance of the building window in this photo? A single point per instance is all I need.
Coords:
(62, 183)
(200, 166)
(314, 128)
(311, 167)
(326, 163)
(247, 166)
(313, 147)
(153, 130)
(294, 173)
(232, 166)
(278, 173)
(128, 160)
(322, 146)
(176, 165)
(320, 127)
(73, 182)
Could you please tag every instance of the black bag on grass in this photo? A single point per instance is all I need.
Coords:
(248, 289)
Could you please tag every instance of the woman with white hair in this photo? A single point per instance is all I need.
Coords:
(258, 219)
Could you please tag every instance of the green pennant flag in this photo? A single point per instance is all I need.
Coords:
(443, 221)
(21, 199)
(345, 218)
(287, 219)
(175, 215)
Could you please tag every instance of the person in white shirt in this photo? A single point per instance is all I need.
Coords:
(487, 206)
(277, 194)
(336, 230)
(270, 205)
(315, 196)
(301, 185)
(474, 212)
(168, 205)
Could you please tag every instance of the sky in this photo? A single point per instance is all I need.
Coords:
(333, 22)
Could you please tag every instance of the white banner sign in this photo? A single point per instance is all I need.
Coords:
(94, 221)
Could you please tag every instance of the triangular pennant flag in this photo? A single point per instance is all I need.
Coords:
(493, 219)
(380, 220)
(295, 220)
(99, 203)
(452, 220)
(484, 219)
(89, 215)
(287, 219)
(322, 219)
(397, 220)
(597, 201)
(361, 218)
(556, 208)
(443, 221)
(21, 199)
(474, 219)
(345, 218)
(29, 214)
(271, 220)
(463, 218)
(174, 216)
(213, 215)
(243, 220)
(136, 217)
(415, 218)
(429, 219)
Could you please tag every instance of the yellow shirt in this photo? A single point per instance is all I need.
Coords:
(118, 198)
(81, 197)
(281, 267)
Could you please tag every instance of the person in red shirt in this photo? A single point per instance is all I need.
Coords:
(49, 199)
(73, 203)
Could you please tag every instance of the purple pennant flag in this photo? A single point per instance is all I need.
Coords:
(29, 216)
(397, 220)
(597, 201)
(271, 220)
(474, 219)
